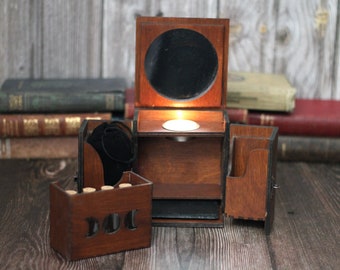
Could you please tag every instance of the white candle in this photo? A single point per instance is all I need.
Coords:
(70, 192)
(88, 189)
(124, 185)
(180, 125)
(106, 187)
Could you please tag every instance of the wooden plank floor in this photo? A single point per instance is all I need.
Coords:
(305, 233)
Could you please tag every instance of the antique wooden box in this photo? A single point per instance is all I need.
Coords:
(181, 74)
(251, 180)
(84, 224)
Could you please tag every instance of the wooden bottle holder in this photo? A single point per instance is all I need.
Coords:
(250, 184)
(105, 221)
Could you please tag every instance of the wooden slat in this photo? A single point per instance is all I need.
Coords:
(306, 230)
(305, 47)
(190, 8)
(336, 85)
(71, 33)
(252, 34)
(118, 41)
(18, 38)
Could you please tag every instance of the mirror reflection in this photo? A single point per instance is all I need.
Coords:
(181, 64)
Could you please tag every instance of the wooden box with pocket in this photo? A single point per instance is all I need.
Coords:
(184, 139)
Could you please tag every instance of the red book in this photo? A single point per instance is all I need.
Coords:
(235, 115)
(311, 117)
(129, 103)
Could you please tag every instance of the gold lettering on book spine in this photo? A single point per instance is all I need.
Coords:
(52, 126)
(31, 127)
(15, 102)
(72, 125)
(10, 128)
(109, 102)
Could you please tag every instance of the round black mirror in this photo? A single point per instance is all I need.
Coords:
(181, 64)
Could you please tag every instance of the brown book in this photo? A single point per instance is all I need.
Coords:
(39, 147)
(33, 125)
(308, 149)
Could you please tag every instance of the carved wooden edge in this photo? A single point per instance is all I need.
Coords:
(272, 185)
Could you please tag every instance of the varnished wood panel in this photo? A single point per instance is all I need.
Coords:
(165, 161)
(305, 234)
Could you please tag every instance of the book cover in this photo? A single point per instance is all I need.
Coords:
(39, 147)
(312, 117)
(308, 149)
(62, 95)
(33, 125)
(260, 91)
(65, 85)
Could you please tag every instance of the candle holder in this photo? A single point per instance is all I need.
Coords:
(180, 121)
(181, 81)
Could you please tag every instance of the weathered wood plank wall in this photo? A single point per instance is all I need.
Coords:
(76, 38)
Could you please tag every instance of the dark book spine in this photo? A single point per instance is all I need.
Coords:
(28, 102)
(297, 125)
(33, 125)
(237, 115)
(64, 85)
(129, 103)
(308, 149)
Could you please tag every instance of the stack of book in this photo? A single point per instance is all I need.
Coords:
(310, 133)
(40, 118)
(309, 129)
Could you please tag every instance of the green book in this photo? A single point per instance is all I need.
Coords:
(260, 91)
(62, 95)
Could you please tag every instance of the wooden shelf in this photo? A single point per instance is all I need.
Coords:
(211, 122)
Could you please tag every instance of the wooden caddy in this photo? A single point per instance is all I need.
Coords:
(251, 181)
(181, 73)
(105, 221)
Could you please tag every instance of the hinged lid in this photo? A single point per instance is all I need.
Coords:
(181, 62)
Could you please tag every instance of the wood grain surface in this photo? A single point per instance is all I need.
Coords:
(305, 234)
(60, 38)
